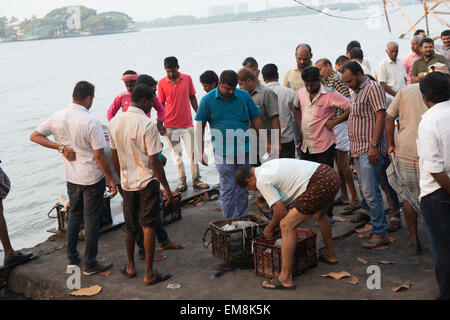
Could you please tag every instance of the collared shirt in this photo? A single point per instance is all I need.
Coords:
(392, 73)
(176, 98)
(420, 65)
(408, 62)
(231, 115)
(365, 69)
(367, 99)
(76, 127)
(267, 102)
(433, 146)
(445, 51)
(123, 101)
(316, 137)
(293, 79)
(409, 107)
(284, 179)
(286, 98)
(135, 137)
(334, 81)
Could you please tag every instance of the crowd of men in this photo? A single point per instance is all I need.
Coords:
(317, 117)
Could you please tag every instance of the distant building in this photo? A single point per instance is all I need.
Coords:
(242, 8)
(219, 10)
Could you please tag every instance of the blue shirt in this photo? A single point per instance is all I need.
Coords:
(228, 115)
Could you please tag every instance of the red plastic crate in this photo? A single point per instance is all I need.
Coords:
(268, 257)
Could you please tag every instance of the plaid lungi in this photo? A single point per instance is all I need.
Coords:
(404, 176)
(5, 184)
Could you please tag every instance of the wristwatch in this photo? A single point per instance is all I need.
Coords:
(374, 145)
(61, 149)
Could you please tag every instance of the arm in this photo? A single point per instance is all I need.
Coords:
(341, 102)
(158, 170)
(115, 161)
(388, 89)
(279, 212)
(390, 130)
(103, 164)
(443, 179)
(194, 103)
(38, 138)
(115, 106)
(161, 114)
(380, 118)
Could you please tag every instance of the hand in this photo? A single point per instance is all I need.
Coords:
(298, 142)
(269, 147)
(391, 149)
(161, 128)
(112, 189)
(268, 233)
(169, 197)
(330, 124)
(69, 153)
(421, 75)
(373, 155)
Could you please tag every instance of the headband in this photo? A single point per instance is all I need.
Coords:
(129, 77)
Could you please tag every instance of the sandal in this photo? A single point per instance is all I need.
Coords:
(277, 285)
(394, 225)
(365, 235)
(323, 259)
(197, 184)
(376, 242)
(348, 210)
(361, 218)
(126, 274)
(159, 278)
(182, 188)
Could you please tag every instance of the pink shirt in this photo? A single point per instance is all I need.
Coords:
(316, 137)
(176, 98)
(408, 64)
(123, 101)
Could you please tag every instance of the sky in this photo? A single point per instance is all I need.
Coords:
(139, 10)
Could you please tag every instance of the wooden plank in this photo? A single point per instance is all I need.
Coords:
(387, 17)
(414, 26)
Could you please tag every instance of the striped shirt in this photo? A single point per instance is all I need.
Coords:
(368, 98)
(334, 81)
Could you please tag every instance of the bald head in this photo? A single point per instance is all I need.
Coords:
(303, 55)
(392, 50)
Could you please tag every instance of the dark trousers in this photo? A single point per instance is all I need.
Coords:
(85, 206)
(435, 209)
(327, 158)
(288, 150)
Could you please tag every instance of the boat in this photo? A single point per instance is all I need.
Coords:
(256, 20)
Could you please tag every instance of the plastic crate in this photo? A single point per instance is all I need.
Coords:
(235, 244)
(173, 212)
(267, 256)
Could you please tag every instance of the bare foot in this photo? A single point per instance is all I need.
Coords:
(171, 245)
(159, 258)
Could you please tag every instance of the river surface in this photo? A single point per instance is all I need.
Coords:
(38, 78)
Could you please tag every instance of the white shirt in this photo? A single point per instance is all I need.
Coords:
(135, 137)
(433, 146)
(365, 69)
(392, 73)
(366, 64)
(286, 98)
(76, 127)
(284, 179)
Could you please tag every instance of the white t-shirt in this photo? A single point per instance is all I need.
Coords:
(284, 179)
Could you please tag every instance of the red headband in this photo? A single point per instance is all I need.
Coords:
(129, 77)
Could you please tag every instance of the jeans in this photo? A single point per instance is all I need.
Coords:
(85, 206)
(435, 209)
(234, 198)
(391, 195)
(369, 176)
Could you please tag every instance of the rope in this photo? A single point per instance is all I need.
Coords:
(342, 17)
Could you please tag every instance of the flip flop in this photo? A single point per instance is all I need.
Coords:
(200, 185)
(126, 274)
(12, 261)
(277, 284)
(181, 188)
(375, 243)
(159, 278)
(365, 235)
(348, 210)
(322, 258)
(361, 218)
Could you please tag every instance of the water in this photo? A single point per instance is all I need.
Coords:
(38, 78)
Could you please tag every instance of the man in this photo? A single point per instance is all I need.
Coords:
(429, 57)
(285, 97)
(79, 138)
(433, 147)
(356, 54)
(12, 257)
(340, 61)
(365, 132)
(251, 64)
(420, 32)
(228, 108)
(267, 102)
(293, 78)
(390, 72)
(135, 145)
(296, 190)
(176, 92)
(364, 62)
(123, 100)
(409, 60)
(209, 80)
(317, 105)
(444, 49)
(332, 79)
(408, 107)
